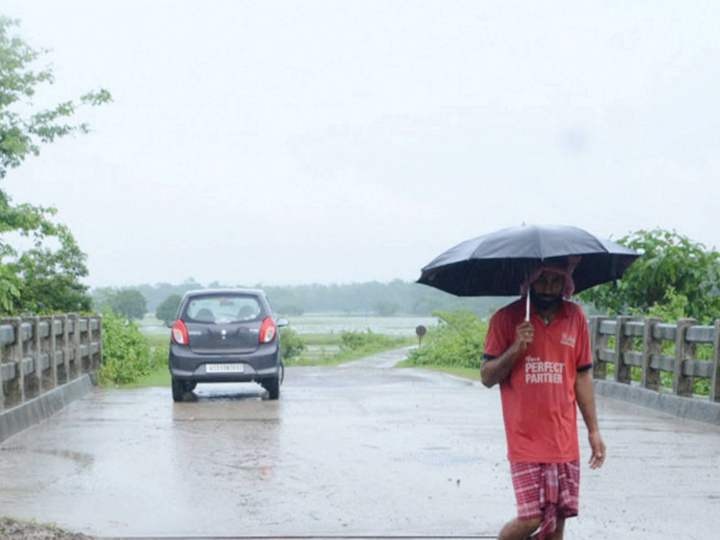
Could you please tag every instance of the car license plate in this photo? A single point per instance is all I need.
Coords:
(224, 368)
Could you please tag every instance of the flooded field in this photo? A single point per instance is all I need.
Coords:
(335, 324)
(328, 324)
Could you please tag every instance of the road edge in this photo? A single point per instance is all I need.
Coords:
(34, 411)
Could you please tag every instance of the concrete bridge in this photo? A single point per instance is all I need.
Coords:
(362, 449)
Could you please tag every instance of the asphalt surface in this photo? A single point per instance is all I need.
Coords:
(356, 450)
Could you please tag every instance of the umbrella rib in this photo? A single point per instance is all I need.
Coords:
(540, 244)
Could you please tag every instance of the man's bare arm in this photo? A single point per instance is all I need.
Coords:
(494, 371)
(585, 395)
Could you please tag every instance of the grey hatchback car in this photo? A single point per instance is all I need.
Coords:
(225, 335)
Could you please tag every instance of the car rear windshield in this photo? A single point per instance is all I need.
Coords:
(223, 309)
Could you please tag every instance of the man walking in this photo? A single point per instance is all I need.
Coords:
(543, 367)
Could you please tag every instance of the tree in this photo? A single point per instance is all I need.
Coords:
(385, 309)
(129, 303)
(168, 308)
(22, 130)
(41, 279)
(50, 279)
(672, 270)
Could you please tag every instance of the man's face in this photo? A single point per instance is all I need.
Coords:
(549, 284)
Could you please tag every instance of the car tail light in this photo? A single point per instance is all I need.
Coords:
(267, 330)
(180, 333)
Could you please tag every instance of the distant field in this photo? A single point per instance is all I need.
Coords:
(335, 324)
(152, 326)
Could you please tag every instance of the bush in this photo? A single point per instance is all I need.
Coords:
(126, 354)
(671, 267)
(458, 341)
(291, 344)
(356, 341)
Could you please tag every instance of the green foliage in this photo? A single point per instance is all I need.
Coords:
(291, 344)
(333, 349)
(23, 129)
(673, 307)
(672, 267)
(365, 341)
(50, 278)
(167, 310)
(457, 341)
(45, 278)
(126, 354)
(129, 303)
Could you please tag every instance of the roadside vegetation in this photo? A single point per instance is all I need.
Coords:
(455, 346)
(336, 348)
(128, 355)
(157, 373)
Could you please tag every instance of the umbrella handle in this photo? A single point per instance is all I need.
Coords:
(527, 306)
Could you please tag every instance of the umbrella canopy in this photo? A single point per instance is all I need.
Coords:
(496, 264)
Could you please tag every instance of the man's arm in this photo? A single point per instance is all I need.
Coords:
(495, 370)
(585, 395)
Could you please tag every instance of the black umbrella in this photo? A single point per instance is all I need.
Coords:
(496, 264)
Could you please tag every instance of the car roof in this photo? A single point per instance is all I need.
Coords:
(228, 290)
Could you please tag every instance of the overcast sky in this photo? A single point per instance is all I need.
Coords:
(290, 142)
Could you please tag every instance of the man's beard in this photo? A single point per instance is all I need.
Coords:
(544, 302)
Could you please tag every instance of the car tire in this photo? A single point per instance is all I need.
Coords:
(272, 386)
(190, 386)
(178, 389)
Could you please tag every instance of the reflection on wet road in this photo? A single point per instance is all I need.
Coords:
(350, 450)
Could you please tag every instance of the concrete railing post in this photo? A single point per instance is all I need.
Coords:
(79, 342)
(2, 386)
(91, 356)
(66, 348)
(596, 343)
(77, 355)
(52, 349)
(622, 345)
(651, 346)
(16, 390)
(36, 356)
(682, 385)
(99, 337)
(715, 381)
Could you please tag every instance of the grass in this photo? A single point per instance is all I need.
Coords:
(161, 375)
(331, 349)
(321, 339)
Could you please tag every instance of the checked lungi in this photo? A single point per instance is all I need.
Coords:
(547, 491)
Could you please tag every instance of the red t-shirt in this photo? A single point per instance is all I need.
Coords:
(538, 396)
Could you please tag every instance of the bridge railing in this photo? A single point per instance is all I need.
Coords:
(646, 344)
(38, 354)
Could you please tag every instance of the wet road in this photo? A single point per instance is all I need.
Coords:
(360, 449)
